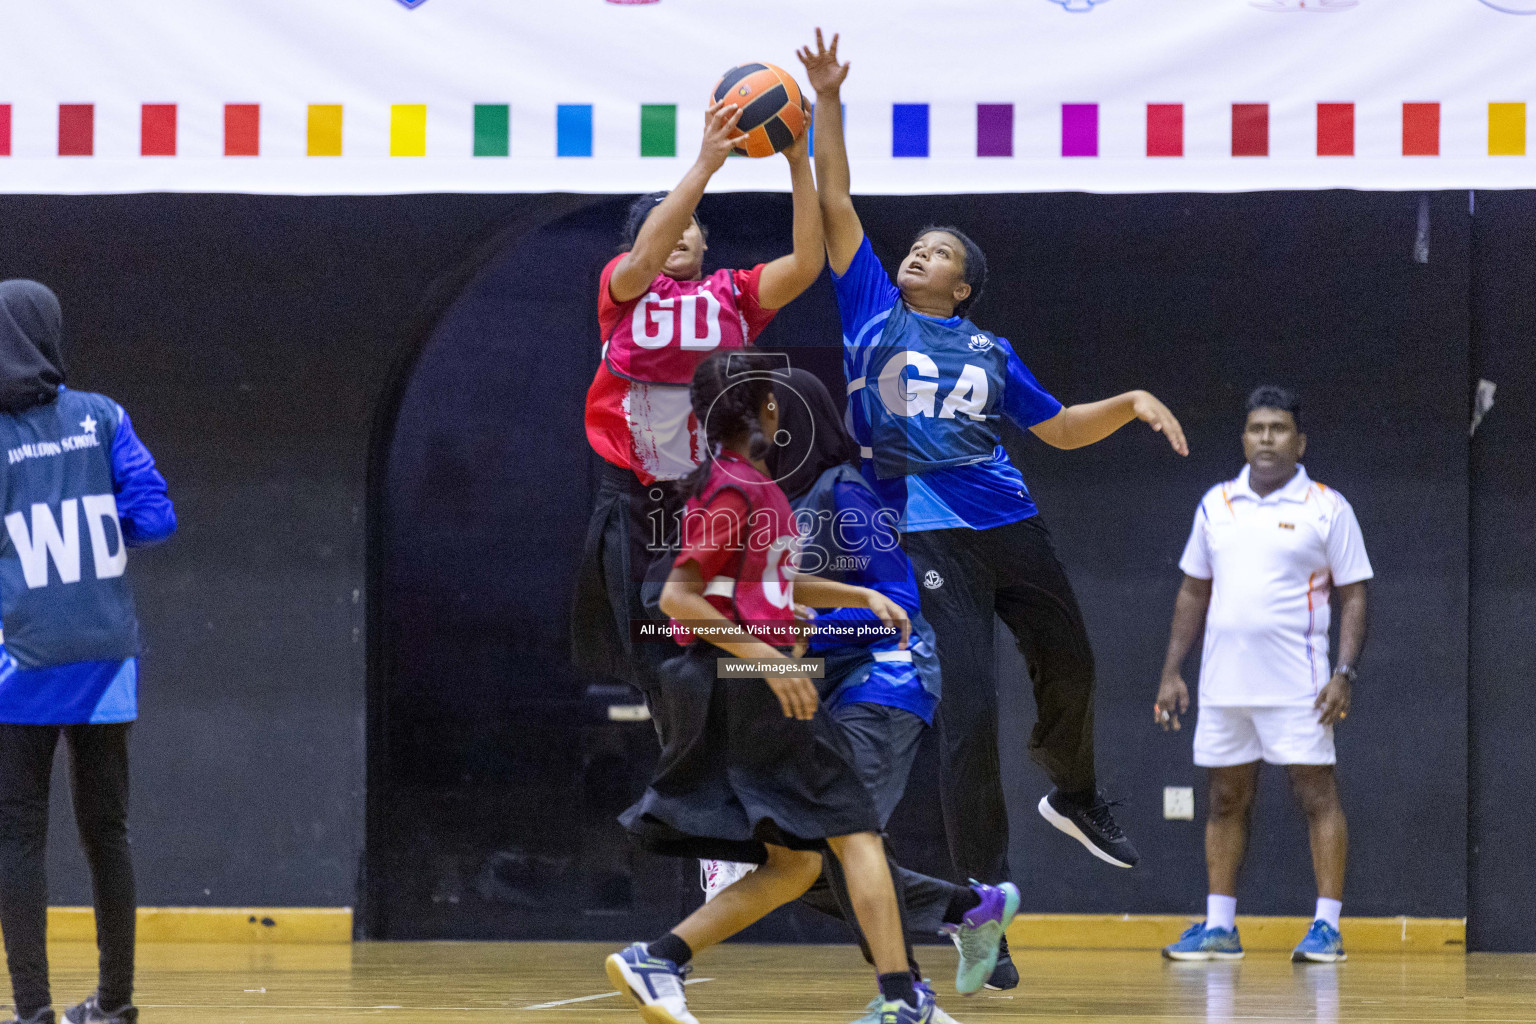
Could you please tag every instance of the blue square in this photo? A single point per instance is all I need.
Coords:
(909, 129)
(573, 129)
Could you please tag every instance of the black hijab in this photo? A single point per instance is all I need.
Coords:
(31, 366)
(816, 438)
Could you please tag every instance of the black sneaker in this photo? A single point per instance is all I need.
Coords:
(1004, 975)
(1092, 825)
(43, 1016)
(90, 1012)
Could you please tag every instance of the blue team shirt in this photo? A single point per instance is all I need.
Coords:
(978, 496)
(96, 692)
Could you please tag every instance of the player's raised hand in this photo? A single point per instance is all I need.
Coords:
(821, 66)
(1172, 701)
(720, 134)
(797, 696)
(799, 151)
(1156, 415)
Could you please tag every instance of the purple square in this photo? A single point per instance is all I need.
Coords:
(994, 129)
(1079, 129)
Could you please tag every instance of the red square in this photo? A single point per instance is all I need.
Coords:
(1335, 129)
(157, 134)
(1250, 129)
(1165, 129)
(242, 129)
(77, 129)
(5, 129)
(1421, 129)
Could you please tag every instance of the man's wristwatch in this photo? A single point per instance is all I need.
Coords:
(1348, 671)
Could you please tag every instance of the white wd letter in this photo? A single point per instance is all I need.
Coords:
(688, 314)
(98, 508)
(645, 316)
(45, 540)
(969, 396)
(909, 396)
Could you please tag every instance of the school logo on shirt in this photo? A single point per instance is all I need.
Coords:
(980, 343)
(932, 580)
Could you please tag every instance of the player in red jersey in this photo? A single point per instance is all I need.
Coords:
(661, 315)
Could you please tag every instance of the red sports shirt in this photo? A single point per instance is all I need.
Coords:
(638, 414)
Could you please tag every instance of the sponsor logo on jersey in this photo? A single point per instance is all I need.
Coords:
(1512, 6)
(980, 343)
(1078, 6)
(932, 580)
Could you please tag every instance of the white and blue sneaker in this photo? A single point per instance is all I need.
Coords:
(898, 1011)
(654, 985)
(1323, 945)
(1204, 943)
(872, 1011)
(980, 932)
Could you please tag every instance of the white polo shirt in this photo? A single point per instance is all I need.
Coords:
(1273, 562)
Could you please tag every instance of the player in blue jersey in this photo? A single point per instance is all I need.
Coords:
(927, 389)
(79, 490)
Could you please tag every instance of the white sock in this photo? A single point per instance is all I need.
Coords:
(1221, 911)
(1328, 910)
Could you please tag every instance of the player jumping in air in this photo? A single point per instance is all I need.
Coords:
(927, 389)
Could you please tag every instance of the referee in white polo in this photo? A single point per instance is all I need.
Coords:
(1267, 551)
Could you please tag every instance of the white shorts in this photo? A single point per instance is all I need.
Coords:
(1227, 736)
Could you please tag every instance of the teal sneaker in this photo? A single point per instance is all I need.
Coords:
(872, 1011)
(1323, 945)
(1202, 943)
(980, 932)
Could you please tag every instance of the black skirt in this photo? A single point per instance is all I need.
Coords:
(736, 774)
(628, 553)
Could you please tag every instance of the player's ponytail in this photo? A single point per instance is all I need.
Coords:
(728, 391)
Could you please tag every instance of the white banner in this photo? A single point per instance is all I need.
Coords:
(378, 96)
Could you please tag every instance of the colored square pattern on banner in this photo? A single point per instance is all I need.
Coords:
(77, 129)
(324, 129)
(1079, 129)
(493, 129)
(242, 129)
(157, 129)
(909, 129)
(658, 129)
(1250, 129)
(1335, 129)
(1165, 129)
(408, 129)
(5, 129)
(1421, 129)
(1506, 129)
(573, 129)
(994, 129)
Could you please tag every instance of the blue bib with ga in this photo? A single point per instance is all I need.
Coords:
(63, 595)
(931, 394)
(825, 553)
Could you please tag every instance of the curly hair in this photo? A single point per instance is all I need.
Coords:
(975, 265)
(728, 392)
(639, 210)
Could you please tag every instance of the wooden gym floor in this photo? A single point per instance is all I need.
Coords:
(416, 983)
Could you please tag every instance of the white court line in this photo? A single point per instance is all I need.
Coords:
(601, 995)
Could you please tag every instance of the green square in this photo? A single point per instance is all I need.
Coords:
(493, 129)
(658, 129)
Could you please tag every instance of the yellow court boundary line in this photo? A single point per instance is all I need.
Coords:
(215, 924)
(1259, 934)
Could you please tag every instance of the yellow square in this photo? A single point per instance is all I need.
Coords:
(408, 129)
(1506, 129)
(325, 129)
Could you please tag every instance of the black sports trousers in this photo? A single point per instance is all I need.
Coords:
(98, 778)
(964, 577)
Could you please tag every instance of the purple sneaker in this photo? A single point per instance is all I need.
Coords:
(980, 931)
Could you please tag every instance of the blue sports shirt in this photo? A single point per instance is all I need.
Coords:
(978, 496)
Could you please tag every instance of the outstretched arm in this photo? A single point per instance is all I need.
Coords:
(841, 223)
(1079, 425)
(786, 277)
(665, 224)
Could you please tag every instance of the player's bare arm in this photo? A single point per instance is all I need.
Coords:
(1188, 617)
(786, 277)
(1080, 425)
(840, 222)
(1334, 699)
(823, 593)
(664, 228)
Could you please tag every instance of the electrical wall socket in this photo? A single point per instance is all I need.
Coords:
(1179, 803)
